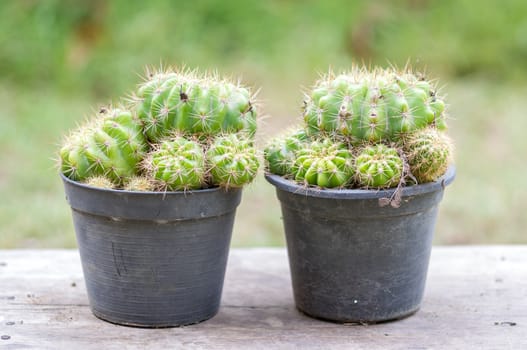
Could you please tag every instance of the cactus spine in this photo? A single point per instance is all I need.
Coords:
(280, 153)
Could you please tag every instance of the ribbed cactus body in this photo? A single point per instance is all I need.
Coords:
(232, 161)
(111, 146)
(177, 164)
(325, 164)
(378, 166)
(428, 152)
(280, 154)
(193, 105)
(372, 106)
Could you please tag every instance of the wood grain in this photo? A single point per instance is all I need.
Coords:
(476, 298)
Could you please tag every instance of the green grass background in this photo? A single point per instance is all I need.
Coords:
(59, 60)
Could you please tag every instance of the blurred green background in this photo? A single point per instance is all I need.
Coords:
(59, 60)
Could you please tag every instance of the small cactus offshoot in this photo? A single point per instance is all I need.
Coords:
(139, 184)
(100, 182)
(232, 161)
(324, 164)
(280, 153)
(429, 153)
(378, 166)
(177, 164)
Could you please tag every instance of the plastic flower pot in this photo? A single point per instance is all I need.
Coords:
(153, 259)
(353, 259)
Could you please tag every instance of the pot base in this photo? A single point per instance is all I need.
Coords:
(109, 319)
(360, 322)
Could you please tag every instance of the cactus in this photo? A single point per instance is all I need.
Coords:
(176, 164)
(324, 163)
(378, 166)
(372, 105)
(100, 182)
(139, 184)
(353, 117)
(160, 143)
(193, 104)
(280, 154)
(232, 161)
(111, 145)
(428, 152)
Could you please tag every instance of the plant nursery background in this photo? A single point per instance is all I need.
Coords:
(60, 60)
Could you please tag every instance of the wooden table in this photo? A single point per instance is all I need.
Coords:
(476, 298)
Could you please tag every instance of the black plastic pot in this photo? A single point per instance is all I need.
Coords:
(153, 259)
(353, 260)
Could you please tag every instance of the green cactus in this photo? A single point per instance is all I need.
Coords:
(232, 161)
(111, 145)
(280, 154)
(199, 105)
(378, 166)
(429, 153)
(325, 164)
(176, 164)
(374, 106)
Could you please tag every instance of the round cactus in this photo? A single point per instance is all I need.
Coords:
(428, 152)
(185, 102)
(100, 182)
(232, 161)
(177, 164)
(378, 166)
(324, 163)
(280, 154)
(372, 105)
(111, 145)
(139, 184)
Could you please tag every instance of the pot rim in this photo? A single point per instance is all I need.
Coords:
(156, 206)
(286, 185)
(152, 193)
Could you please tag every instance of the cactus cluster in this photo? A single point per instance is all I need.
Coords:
(373, 129)
(179, 131)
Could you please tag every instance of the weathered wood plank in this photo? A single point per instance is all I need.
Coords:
(476, 297)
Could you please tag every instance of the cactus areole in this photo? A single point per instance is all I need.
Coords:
(359, 184)
(154, 184)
